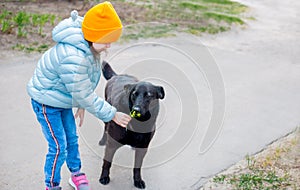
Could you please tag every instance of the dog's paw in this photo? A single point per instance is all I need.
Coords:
(104, 180)
(139, 184)
(102, 142)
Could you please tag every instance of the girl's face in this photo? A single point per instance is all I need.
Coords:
(100, 47)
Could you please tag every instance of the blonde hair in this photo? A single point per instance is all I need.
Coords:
(96, 55)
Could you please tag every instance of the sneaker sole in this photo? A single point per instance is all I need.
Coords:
(72, 184)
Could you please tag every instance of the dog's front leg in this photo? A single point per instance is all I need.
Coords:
(139, 157)
(104, 178)
(103, 140)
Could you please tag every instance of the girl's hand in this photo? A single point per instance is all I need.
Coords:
(121, 119)
(80, 114)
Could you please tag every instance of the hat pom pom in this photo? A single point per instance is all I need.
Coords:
(74, 15)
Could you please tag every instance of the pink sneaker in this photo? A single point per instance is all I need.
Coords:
(53, 188)
(79, 182)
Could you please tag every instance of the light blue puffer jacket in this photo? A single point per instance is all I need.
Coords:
(67, 75)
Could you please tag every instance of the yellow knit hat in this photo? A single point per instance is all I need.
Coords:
(101, 24)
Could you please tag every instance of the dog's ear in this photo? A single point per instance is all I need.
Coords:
(160, 92)
(129, 87)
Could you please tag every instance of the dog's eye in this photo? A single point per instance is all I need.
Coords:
(134, 94)
(149, 94)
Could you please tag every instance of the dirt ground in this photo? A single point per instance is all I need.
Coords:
(281, 156)
(61, 9)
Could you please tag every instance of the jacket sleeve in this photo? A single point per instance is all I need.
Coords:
(73, 71)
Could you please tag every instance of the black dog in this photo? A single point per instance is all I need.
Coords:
(140, 100)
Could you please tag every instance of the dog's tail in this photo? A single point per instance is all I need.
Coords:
(108, 72)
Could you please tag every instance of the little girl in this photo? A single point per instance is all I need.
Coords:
(66, 77)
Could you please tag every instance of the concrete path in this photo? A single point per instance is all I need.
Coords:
(260, 71)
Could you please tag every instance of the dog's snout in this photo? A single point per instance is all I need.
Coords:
(136, 108)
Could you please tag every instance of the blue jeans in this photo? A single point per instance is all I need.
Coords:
(59, 128)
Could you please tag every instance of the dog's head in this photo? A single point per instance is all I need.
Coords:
(141, 96)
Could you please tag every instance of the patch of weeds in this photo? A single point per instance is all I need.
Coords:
(5, 14)
(22, 24)
(211, 29)
(192, 6)
(148, 30)
(44, 18)
(39, 21)
(221, 17)
(42, 48)
(6, 26)
(34, 47)
(21, 19)
(219, 179)
(223, 2)
(255, 176)
(193, 16)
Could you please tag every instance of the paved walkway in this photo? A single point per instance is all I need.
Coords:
(260, 66)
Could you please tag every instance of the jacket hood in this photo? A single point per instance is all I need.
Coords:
(69, 31)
